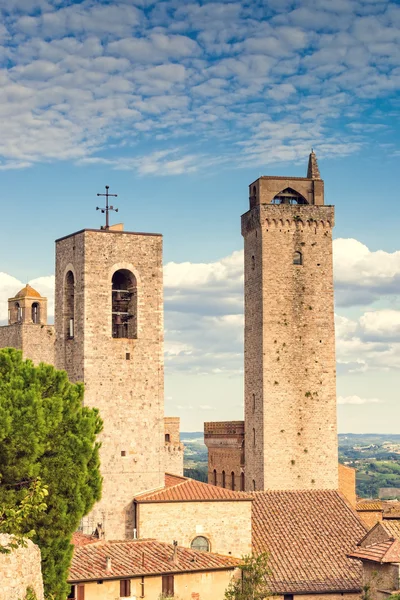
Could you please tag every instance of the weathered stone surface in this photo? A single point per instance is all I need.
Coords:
(19, 570)
(123, 377)
(35, 341)
(173, 448)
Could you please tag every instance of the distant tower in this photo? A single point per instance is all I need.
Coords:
(109, 326)
(28, 306)
(290, 372)
(27, 328)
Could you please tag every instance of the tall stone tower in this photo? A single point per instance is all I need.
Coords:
(290, 372)
(109, 334)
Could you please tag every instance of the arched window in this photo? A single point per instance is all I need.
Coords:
(124, 304)
(200, 543)
(223, 479)
(215, 476)
(297, 258)
(254, 402)
(289, 196)
(69, 305)
(254, 437)
(167, 437)
(242, 482)
(233, 480)
(19, 312)
(36, 312)
(254, 484)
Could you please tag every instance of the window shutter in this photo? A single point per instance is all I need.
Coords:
(168, 585)
(81, 592)
(125, 588)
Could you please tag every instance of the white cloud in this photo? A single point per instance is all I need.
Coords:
(357, 400)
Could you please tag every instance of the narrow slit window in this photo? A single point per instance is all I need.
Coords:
(223, 479)
(36, 312)
(215, 477)
(69, 305)
(233, 480)
(297, 258)
(242, 482)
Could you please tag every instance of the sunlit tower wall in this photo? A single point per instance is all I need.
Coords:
(109, 334)
(290, 371)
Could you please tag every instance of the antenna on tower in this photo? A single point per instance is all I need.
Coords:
(107, 208)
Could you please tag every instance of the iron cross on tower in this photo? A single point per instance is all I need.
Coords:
(107, 207)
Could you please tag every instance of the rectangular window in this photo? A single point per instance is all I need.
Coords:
(168, 585)
(125, 588)
(81, 592)
(288, 597)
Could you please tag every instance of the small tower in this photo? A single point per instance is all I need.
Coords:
(28, 306)
(27, 328)
(290, 371)
(109, 329)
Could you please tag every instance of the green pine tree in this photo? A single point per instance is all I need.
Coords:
(47, 433)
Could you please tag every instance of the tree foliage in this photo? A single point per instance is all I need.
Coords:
(252, 585)
(46, 432)
(15, 519)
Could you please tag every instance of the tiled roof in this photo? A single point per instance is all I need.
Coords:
(392, 526)
(133, 558)
(367, 505)
(308, 535)
(183, 489)
(27, 291)
(383, 552)
(81, 539)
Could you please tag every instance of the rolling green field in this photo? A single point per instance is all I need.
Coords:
(375, 457)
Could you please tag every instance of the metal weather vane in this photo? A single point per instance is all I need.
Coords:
(108, 207)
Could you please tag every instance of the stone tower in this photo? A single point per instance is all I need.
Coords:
(290, 372)
(109, 334)
(27, 328)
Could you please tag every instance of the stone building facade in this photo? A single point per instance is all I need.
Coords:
(225, 442)
(173, 447)
(19, 570)
(290, 372)
(109, 334)
(27, 328)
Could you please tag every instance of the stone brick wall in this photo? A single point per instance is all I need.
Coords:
(381, 579)
(18, 570)
(290, 371)
(123, 377)
(35, 341)
(173, 447)
(347, 483)
(265, 189)
(227, 525)
(225, 443)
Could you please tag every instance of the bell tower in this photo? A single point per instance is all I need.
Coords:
(109, 335)
(290, 371)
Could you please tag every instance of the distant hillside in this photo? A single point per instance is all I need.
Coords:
(375, 456)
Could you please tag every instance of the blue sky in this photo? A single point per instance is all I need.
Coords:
(178, 106)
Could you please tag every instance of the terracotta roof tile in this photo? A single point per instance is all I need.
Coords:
(392, 526)
(81, 539)
(183, 489)
(367, 505)
(383, 552)
(133, 558)
(28, 291)
(308, 535)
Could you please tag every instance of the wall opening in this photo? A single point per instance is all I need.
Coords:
(200, 543)
(124, 305)
(167, 437)
(254, 484)
(69, 305)
(233, 480)
(223, 479)
(242, 482)
(215, 477)
(36, 312)
(19, 312)
(289, 196)
(297, 258)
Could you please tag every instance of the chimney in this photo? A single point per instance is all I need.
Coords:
(175, 554)
(108, 564)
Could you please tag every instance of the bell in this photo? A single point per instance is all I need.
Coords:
(118, 320)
